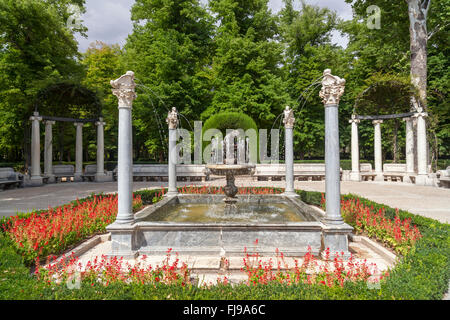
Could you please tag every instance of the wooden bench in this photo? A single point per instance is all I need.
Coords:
(366, 172)
(160, 172)
(394, 171)
(10, 179)
(302, 172)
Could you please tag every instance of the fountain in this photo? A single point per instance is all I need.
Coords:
(212, 224)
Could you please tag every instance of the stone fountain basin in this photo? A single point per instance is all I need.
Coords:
(222, 237)
(235, 169)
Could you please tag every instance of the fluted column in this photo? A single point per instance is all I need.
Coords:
(335, 231)
(289, 121)
(409, 150)
(355, 175)
(172, 121)
(124, 89)
(422, 162)
(378, 150)
(36, 178)
(79, 152)
(100, 176)
(48, 151)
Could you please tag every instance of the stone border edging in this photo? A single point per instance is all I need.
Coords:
(379, 249)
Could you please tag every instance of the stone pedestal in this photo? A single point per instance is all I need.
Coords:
(36, 178)
(289, 121)
(172, 121)
(355, 174)
(48, 152)
(378, 150)
(409, 150)
(78, 177)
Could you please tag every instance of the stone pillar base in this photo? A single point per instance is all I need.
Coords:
(78, 177)
(335, 238)
(51, 178)
(290, 194)
(407, 178)
(99, 177)
(424, 180)
(355, 176)
(171, 194)
(35, 181)
(123, 240)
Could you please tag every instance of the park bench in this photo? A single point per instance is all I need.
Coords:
(160, 172)
(366, 172)
(302, 171)
(63, 171)
(90, 172)
(444, 178)
(394, 171)
(10, 179)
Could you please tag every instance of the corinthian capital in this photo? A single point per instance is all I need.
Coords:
(333, 88)
(123, 89)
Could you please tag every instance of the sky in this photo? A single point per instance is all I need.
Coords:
(109, 21)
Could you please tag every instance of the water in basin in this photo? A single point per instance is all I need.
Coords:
(245, 212)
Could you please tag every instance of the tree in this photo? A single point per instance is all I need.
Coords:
(103, 63)
(36, 49)
(306, 35)
(170, 50)
(246, 74)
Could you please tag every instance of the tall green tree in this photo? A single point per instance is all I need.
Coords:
(103, 62)
(36, 48)
(170, 51)
(246, 73)
(306, 35)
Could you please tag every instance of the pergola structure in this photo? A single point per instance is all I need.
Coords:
(70, 94)
(419, 117)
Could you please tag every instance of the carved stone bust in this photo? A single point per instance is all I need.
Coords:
(172, 118)
(333, 88)
(289, 119)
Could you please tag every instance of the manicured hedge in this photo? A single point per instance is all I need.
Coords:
(422, 274)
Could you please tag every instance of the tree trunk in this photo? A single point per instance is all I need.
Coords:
(418, 11)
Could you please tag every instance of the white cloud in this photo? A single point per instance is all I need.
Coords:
(110, 20)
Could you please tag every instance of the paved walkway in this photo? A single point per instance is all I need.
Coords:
(427, 201)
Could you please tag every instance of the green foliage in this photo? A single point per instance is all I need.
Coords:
(37, 49)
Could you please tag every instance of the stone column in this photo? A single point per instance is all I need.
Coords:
(100, 176)
(124, 89)
(79, 153)
(289, 121)
(48, 152)
(335, 231)
(377, 147)
(422, 162)
(123, 231)
(172, 121)
(36, 178)
(355, 175)
(409, 150)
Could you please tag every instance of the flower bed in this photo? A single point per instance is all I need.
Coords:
(398, 234)
(40, 234)
(422, 273)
